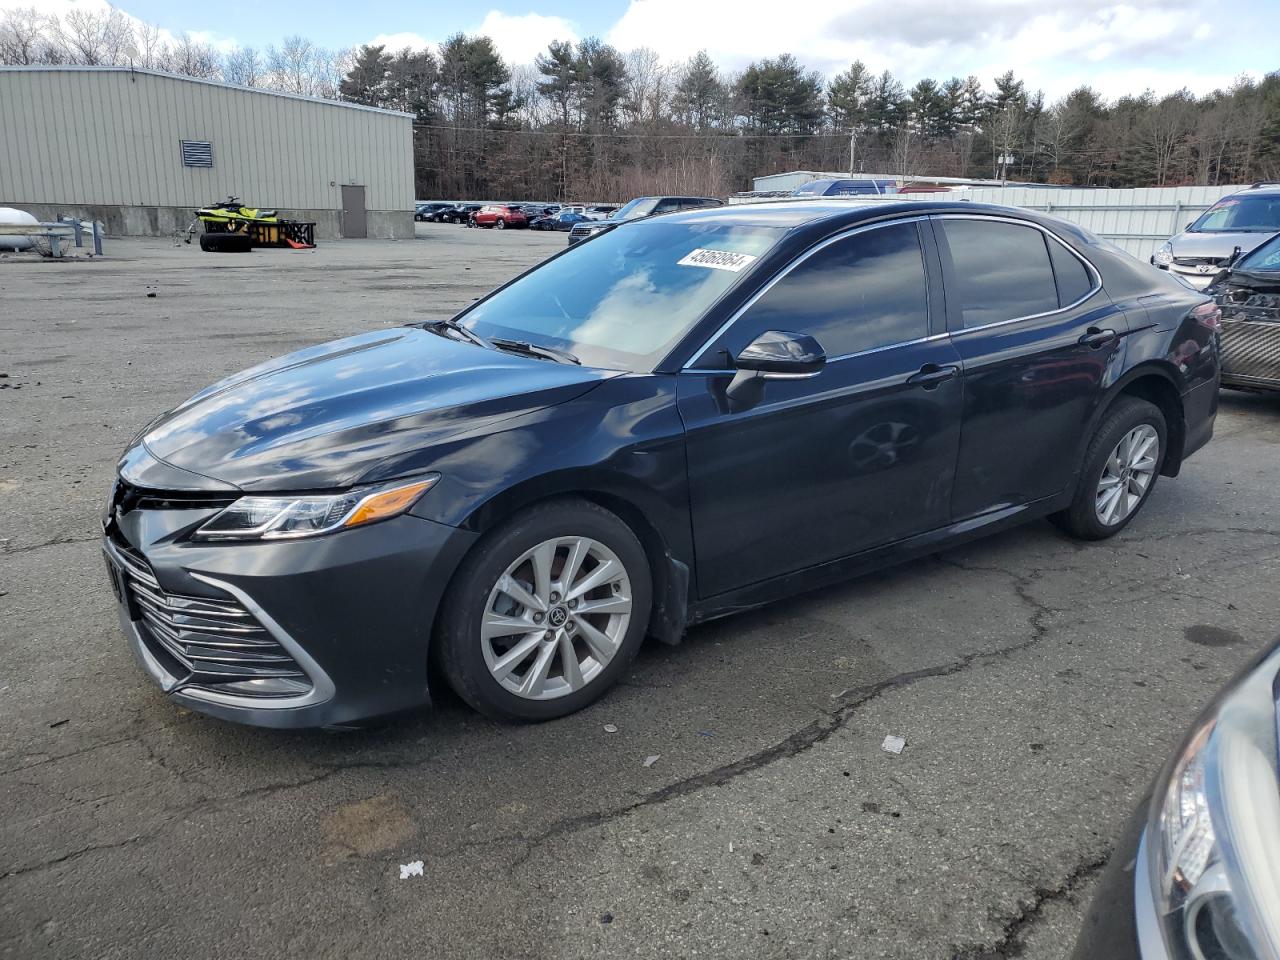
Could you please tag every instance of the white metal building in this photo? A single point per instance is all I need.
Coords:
(139, 150)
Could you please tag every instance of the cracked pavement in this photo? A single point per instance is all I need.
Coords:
(1039, 684)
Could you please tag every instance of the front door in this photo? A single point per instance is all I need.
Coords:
(857, 456)
(1036, 336)
(354, 222)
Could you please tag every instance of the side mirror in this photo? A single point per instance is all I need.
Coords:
(778, 354)
(774, 355)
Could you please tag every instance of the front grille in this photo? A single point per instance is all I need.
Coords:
(1251, 350)
(210, 644)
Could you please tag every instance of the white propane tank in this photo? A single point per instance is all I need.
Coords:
(11, 217)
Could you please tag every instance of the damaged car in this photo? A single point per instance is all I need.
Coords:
(683, 419)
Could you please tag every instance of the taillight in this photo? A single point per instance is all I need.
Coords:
(1208, 315)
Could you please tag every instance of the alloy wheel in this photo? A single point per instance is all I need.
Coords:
(1127, 474)
(556, 618)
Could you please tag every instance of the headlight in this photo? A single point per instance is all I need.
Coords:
(1164, 256)
(282, 518)
(1213, 842)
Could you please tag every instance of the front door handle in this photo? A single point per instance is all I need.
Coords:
(1095, 338)
(931, 375)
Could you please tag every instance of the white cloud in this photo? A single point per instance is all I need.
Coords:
(1108, 44)
(520, 38)
(395, 42)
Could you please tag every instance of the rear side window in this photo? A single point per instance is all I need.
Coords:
(1074, 281)
(859, 293)
(1001, 271)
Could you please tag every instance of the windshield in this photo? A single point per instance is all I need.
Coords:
(1241, 214)
(624, 299)
(638, 207)
(1263, 259)
(815, 186)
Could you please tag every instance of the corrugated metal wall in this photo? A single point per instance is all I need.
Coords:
(110, 136)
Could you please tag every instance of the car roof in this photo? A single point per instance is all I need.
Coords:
(839, 213)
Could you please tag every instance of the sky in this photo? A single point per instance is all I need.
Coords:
(1116, 47)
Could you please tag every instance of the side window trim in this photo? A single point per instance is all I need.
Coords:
(691, 365)
(955, 323)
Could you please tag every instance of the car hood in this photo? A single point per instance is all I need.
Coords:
(1216, 245)
(327, 416)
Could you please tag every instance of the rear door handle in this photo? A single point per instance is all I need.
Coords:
(931, 375)
(1095, 338)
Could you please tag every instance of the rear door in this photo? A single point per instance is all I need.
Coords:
(859, 455)
(1036, 336)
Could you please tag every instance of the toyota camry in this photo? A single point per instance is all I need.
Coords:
(680, 419)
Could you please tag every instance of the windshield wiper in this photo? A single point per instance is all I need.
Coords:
(453, 326)
(534, 350)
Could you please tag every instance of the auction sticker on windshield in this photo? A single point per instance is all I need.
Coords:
(718, 260)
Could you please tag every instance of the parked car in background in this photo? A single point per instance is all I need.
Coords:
(1196, 874)
(602, 210)
(499, 217)
(426, 211)
(846, 188)
(681, 419)
(1242, 220)
(459, 213)
(564, 220)
(1248, 293)
(638, 208)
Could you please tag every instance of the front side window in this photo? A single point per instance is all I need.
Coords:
(1241, 214)
(623, 300)
(1001, 271)
(859, 293)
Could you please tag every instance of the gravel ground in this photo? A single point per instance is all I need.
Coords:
(1039, 684)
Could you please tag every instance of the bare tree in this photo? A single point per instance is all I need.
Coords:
(24, 36)
(94, 38)
(148, 43)
(243, 66)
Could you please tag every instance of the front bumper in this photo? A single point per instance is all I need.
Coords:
(1191, 275)
(342, 622)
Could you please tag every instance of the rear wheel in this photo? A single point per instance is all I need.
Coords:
(500, 225)
(547, 612)
(1121, 466)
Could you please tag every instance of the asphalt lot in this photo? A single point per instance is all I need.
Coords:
(1039, 684)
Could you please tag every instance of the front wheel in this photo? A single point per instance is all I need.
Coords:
(1121, 466)
(546, 613)
(500, 225)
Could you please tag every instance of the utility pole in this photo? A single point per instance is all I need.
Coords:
(853, 146)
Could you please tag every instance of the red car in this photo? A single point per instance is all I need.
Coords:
(500, 217)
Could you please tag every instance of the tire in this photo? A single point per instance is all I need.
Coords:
(467, 655)
(1130, 420)
(226, 242)
(500, 225)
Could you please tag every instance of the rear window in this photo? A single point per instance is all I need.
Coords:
(1074, 280)
(1001, 271)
